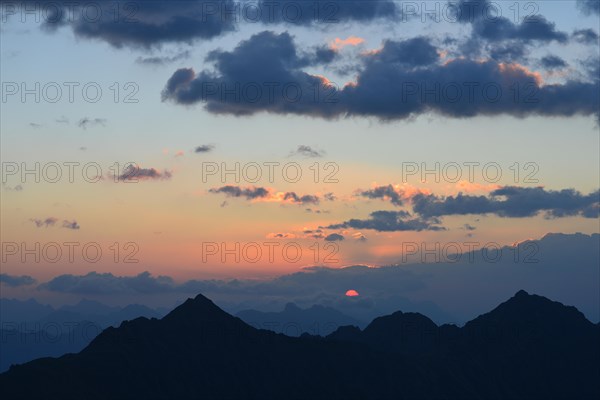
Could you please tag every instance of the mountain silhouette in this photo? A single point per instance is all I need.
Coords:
(527, 348)
(294, 321)
(31, 330)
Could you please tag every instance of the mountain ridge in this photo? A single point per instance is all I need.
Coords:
(198, 350)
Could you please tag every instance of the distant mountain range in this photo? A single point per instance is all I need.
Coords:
(528, 347)
(30, 330)
(294, 321)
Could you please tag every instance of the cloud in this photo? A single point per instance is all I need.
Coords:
(468, 227)
(587, 36)
(265, 194)
(329, 12)
(268, 68)
(338, 44)
(134, 173)
(307, 151)
(390, 221)
(162, 60)
(334, 237)
(589, 7)
(86, 122)
(305, 199)
(50, 221)
(359, 237)
(250, 193)
(393, 83)
(553, 62)
(151, 24)
(16, 281)
(278, 235)
(107, 283)
(71, 225)
(319, 55)
(493, 28)
(413, 52)
(148, 24)
(389, 192)
(205, 148)
(511, 201)
(329, 196)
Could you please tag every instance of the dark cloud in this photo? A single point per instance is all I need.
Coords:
(511, 51)
(334, 237)
(329, 196)
(250, 193)
(587, 36)
(134, 173)
(553, 62)
(510, 201)
(589, 7)
(107, 283)
(46, 222)
(262, 73)
(305, 199)
(316, 211)
(385, 89)
(16, 281)
(152, 23)
(361, 238)
(488, 24)
(390, 221)
(384, 193)
(413, 52)
(307, 151)
(322, 55)
(326, 12)
(86, 122)
(71, 225)
(205, 148)
(162, 60)
(468, 227)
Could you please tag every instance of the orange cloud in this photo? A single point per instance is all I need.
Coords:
(338, 43)
(518, 69)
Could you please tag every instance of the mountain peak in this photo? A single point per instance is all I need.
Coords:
(291, 307)
(200, 308)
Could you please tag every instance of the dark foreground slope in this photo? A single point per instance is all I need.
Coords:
(527, 348)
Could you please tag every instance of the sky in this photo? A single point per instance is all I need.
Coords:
(189, 142)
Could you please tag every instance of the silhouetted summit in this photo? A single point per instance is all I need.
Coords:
(526, 348)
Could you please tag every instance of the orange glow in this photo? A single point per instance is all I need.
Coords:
(352, 293)
(515, 69)
(338, 43)
(324, 80)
